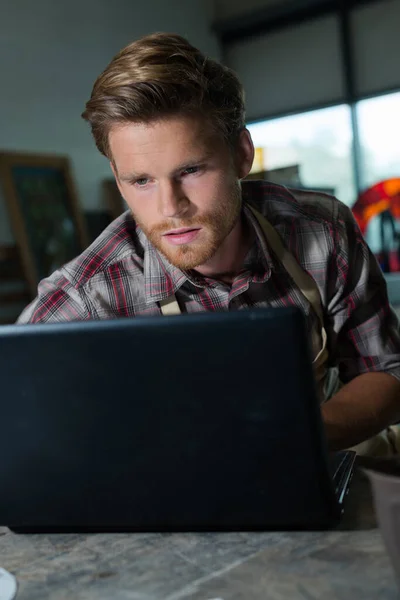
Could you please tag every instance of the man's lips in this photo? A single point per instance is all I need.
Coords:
(181, 230)
(185, 235)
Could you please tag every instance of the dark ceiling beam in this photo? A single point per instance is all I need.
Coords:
(276, 17)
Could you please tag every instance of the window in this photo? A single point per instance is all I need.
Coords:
(379, 131)
(320, 142)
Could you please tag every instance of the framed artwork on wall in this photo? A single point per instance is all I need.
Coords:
(45, 214)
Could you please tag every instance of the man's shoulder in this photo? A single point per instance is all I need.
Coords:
(279, 204)
(118, 242)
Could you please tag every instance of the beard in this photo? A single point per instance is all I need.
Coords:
(215, 226)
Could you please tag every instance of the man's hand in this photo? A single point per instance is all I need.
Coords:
(361, 409)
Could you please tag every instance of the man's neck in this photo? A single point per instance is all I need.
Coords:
(228, 260)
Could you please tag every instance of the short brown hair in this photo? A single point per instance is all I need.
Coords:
(163, 75)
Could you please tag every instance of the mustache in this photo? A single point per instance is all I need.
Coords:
(193, 222)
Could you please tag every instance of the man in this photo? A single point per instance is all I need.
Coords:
(171, 122)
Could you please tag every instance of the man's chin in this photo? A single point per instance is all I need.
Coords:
(186, 257)
(184, 260)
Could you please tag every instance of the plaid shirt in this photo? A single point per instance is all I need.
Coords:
(122, 275)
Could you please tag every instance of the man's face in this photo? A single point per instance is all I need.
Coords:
(181, 184)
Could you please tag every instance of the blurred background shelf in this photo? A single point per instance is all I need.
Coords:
(14, 292)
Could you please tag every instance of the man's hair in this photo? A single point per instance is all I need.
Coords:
(162, 75)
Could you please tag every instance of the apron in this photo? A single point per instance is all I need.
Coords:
(327, 383)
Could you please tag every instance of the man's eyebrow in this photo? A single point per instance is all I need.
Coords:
(132, 176)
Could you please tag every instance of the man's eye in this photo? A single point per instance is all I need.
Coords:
(141, 182)
(190, 170)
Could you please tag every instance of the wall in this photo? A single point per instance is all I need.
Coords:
(282, 72)
(50, 54)
(225, 9)
(376, 43)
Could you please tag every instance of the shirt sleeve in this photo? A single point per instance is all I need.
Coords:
(57, 301)
(363, 328)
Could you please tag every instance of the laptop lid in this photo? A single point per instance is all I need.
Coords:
(199, 422)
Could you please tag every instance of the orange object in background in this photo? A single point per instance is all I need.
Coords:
(382, 199)
(382, 196)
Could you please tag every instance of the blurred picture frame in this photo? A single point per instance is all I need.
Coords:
(45, 214)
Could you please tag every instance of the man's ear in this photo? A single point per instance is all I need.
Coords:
(244, 154)
(115, 173)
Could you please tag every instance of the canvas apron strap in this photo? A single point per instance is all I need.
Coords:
(386, 443)
(169, 306)
(306, 284)
(308, 288)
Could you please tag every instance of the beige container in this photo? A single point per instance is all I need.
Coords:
(385, 480)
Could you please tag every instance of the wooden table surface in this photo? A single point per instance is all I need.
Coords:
(348, 563)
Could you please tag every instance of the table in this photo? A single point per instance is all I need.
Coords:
(348, 563)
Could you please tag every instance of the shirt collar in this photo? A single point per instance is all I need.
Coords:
(162, 279)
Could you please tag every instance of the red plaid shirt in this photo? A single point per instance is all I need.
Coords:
(122, 275)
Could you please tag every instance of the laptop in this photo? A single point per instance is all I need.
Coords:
(197, 422)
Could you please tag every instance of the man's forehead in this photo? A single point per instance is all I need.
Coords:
(171, 141)
(167, 130)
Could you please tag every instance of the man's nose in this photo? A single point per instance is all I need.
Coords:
(172, 200)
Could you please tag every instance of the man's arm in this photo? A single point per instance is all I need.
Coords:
(57, 301)
(364, 341)
(361, 409)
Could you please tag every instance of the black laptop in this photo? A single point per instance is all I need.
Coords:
(187, 423)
